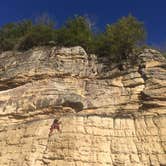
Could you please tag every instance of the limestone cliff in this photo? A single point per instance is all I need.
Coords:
(111, 115)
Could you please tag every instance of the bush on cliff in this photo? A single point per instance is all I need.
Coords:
(39, 35)
(76, 32)
(12, 32)
(26, 34)
(117, 41)
(121, 38)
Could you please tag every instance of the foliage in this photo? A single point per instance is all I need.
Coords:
(76, 31)
(26, 34)
(10, 34)
(122, 37)
(39, 35)
(117, 41)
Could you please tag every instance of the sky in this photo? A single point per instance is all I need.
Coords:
(102, 12)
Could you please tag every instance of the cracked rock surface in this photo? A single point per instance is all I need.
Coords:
(110, 115)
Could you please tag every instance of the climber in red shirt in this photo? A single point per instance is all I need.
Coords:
(55, 125)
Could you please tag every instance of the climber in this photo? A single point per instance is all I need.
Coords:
(55, 125)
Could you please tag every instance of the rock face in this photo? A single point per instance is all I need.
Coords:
(111, 115)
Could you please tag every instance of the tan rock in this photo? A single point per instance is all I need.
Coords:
(107, 117)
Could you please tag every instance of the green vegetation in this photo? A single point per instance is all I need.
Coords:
(76, 31)
(122, 37)
(10, 34)
(38, 35)
(117, 41)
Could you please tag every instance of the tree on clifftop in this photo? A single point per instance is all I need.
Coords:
(117, 41)
(76, 31)
(122, 37)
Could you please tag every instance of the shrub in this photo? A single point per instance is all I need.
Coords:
(118, 40)
(26, 34)
(39, 35)
(76, 31)
(11, 33)
(121, 38)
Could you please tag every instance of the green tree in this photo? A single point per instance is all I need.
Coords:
(118, 40)
(76, 31)
(122, 37)
(8, 36)
(39, 35)
(25, 34)
(11, 33)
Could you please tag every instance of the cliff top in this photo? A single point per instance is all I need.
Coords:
(45, 80)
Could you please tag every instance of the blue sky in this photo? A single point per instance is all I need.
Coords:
(151, 12)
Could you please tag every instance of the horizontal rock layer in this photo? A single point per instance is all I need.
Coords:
(110, 114)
